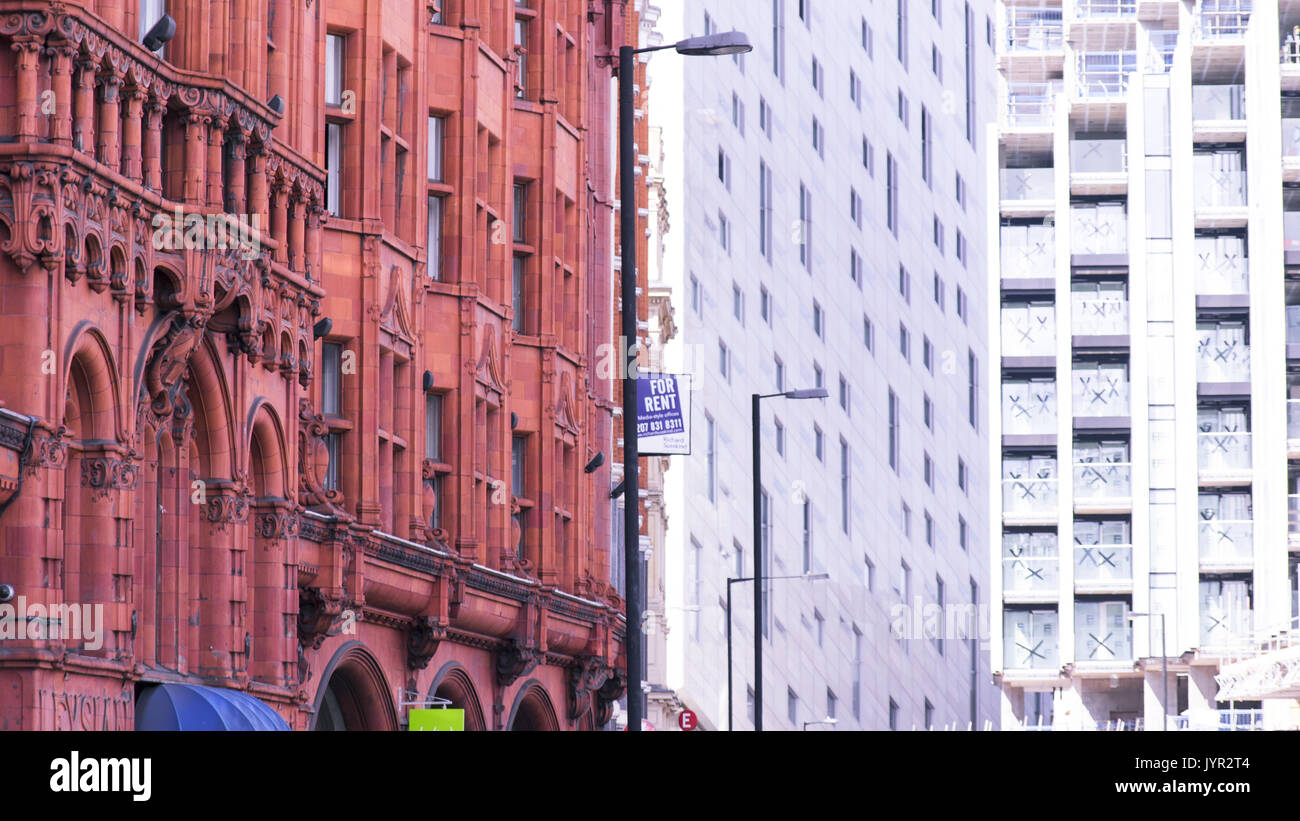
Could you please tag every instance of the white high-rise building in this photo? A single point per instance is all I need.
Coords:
(1149, 344)
(826, 197)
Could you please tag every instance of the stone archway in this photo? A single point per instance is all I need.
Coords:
(533, 710)
(353, 694)
(454, 684)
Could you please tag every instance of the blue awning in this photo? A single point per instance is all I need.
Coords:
(194, 707)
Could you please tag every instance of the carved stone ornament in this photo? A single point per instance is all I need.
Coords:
(107, 474)
(316, 613)
(422, 640)
(514, 660)
(585, 680)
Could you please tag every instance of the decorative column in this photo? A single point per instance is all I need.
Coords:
(216, 143)
(196, 153)
(316, 218)
(110, 118)
(28, 49)
(154, 110)
(257, 188)
(83, 116)
(297, 226)
(131, 122)
(280, 221)
(61, 68)
(236, 143)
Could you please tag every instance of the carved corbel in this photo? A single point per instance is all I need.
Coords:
(514, 660)
(422, 639)
(586, 677)
(316, 614)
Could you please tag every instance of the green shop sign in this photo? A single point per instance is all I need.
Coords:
(436, 719)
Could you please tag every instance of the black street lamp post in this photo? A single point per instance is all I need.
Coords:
(732, 42)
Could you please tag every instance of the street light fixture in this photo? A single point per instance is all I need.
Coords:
(1164, 669)
(828, 720)
(757, 430)
(810, 577)
(731, 42)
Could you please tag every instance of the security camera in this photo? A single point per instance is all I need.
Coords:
(162, 32)
(6, 593)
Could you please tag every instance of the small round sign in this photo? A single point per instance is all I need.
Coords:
(687, 720)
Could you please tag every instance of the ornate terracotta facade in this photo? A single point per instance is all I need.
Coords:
(308, 424)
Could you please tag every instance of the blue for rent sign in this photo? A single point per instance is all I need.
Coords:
(663, 414)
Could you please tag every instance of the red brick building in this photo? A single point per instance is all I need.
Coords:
(338, 462)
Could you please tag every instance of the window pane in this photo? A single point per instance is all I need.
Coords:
(436, 137)
(432, 426)
(333, 69)
(333, 166)
(435, 238)
(331, 360)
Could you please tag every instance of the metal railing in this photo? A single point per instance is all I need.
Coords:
(1092, 9)
(1102, 481)
(1222, 720)
(1280, 636)
(1221, 19)
(1030, 496)
(1220, 451)
(1098, 316)
(1227, 541)
(1041, 31)
(1106, 74)
(1103, 563)
(1030, 105)
(1290, 52)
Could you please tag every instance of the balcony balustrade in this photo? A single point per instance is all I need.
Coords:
(1028, 329)
(1224, 452)
(1029, 407)
(1226, 542)
(1100, 389)
(1103, 566)
(1099, 482)
(135, 145)
(1098, 228)
(1222, 353)
(1034, 31)
(1103, 75)
(1030, 105)
(1030, 497)
(1221, 19)
(1091, 316)
(1028, 251)
(1221, 265)
(1019, 184)
(1104, 9)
